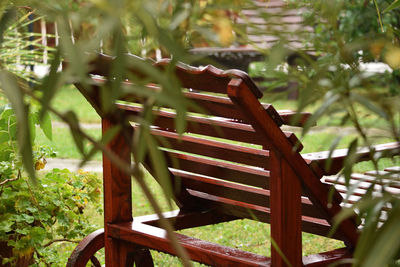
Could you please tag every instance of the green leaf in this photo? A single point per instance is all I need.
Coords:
(179, 18)
(25, 218)
(107, 136)
(45, 125)
(22, 231)
(387, 242)
(49, 87)
(9, 84)
(76, 57)
(395, 4)
(369, 105)
(6, 224)
(159, 164)
(329, 99)
(32, 118)
(350, 160)
(8, 15)
(4, 137)
(72, 120)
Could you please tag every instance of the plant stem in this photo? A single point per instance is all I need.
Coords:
(379, 15)
(9, 180)
(60, 240)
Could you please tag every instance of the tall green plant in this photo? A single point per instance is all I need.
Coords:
(348, 34)
(35, 215)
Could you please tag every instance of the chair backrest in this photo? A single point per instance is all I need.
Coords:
(232, 147)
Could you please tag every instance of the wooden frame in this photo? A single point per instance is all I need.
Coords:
(273, 184)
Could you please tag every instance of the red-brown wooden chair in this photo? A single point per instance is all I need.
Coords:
(219, 180)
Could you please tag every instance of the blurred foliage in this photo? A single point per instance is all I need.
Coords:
(347, 36)
(328, 70)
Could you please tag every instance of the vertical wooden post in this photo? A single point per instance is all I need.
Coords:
(117, 194)
(285, 212)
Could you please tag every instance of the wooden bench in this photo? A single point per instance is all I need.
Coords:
(216, 177)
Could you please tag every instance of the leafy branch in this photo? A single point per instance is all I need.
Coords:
(10, 179)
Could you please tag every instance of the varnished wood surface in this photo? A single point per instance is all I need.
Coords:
(84, 252)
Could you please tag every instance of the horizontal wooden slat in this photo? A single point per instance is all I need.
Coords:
(198, 250)
(211, 126)
(215, 149)
(337, 158)
(368, 177)
(275, 20)
(278, 11)
(384, 174)
(189, 219)
(262, 214)
(359, 184)
(237, 192)
(270, 3)
(394, 169)
(366, 181)
(286, 30)
(222, 170)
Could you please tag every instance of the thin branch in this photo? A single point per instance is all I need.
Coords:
(60, 240)
(9, 180)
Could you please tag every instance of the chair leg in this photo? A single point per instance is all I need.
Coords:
(123, 254)
(142, 258)
(86, 249)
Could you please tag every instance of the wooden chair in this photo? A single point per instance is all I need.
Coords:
(217, 178)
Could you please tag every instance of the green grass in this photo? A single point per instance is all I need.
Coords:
(64, 144)
(69, 98)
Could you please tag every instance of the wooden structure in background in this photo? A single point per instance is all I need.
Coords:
(215, 179)
(264, 23)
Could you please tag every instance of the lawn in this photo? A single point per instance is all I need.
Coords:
(69, 98)
(63, 142)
